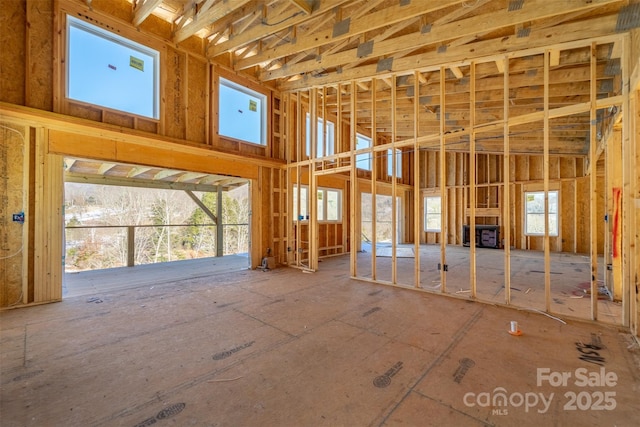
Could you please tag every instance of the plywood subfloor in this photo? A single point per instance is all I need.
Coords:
(288, 348)
(570, 276)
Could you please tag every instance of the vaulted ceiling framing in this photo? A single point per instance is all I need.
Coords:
(298, 44)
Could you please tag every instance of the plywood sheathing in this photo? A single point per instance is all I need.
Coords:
(12, 59)
(13, 192)
(39, 54)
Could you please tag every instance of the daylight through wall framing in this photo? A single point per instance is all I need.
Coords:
(479, 136)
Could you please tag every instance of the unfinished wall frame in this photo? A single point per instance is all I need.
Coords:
(482, 157)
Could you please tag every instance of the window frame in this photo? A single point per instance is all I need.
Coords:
(81, 25)
(322, 216)
(264, 107)
(364, 157)
(331, 137)
(426, 214)
(552, 233)
(398, 161)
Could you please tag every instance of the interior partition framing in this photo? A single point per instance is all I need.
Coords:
(523, 147)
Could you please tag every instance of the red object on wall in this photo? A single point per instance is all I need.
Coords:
(617, 193)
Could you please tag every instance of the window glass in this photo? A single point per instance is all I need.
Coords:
(432, 213)
(333, 205)
(363, 161)
(321, 150)
(329, 204)
(321, 194)
(534, 213)
(398, 160)
(110, 71)
(242, 113)
(304, 204)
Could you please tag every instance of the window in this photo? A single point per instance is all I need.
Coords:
(363, 161)
(320, 144)
(110, 71)
(329, 204)
(432, 213)
(398, 162)
(304, 203)
(534, 213)
(242, 113)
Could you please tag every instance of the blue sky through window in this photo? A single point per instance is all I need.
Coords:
(242, 113)
(107, 70)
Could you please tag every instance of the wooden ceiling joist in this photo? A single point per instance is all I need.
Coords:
(593, 28)
(266, 29)
(389, 16)
(303, 5)
(143, 9)
(208, 14)
(535, 9)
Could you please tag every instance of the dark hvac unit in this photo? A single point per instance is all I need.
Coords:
(487, 236)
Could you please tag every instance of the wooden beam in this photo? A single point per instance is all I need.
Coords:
(389, 16)
(143, 9)
(456, 72)
(202, 206)
(571, 33)
(533, 10)
(138, 170)
(554, 57)
(303, 5)
(207, 16)
(106, 167)
(259, 32)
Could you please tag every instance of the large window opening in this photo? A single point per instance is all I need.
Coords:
(242, 113)
(111, 71)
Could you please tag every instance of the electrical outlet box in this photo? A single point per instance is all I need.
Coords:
(18, 217)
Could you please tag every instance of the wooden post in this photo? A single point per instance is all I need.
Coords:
(443, 187)
(312, 196)
(472, 181)
(417, 219)
(630, 197)
(374, 180)
(355, 239)
(593, 195)
(394, 207)
(545, 173)
(506, 193)
(219, 225)
(131, 246)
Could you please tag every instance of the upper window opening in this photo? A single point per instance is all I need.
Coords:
(534, 213)
(111, 71)
(363, 161)
(322, 149)
(398, 161)
(242, 113)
